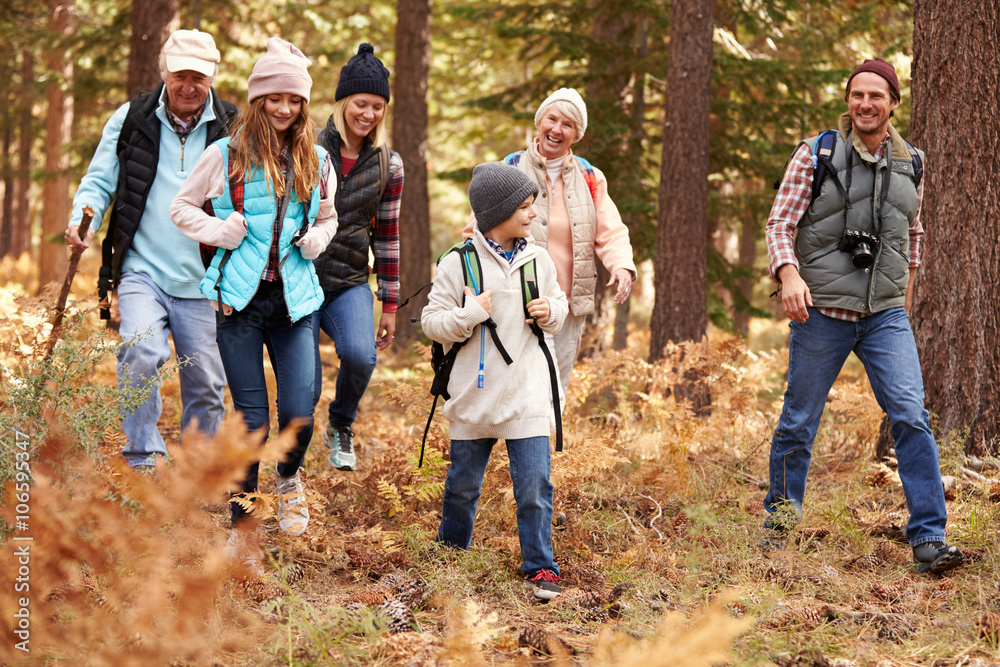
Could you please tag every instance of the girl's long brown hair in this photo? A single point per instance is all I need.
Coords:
(255, 145)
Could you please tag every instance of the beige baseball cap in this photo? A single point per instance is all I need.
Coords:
(193, 50)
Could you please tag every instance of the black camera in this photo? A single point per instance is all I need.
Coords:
(859, 245)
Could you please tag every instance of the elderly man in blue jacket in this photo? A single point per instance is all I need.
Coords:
(147, 149)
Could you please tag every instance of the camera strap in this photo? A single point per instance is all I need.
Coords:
(845, 191)
(884, 191)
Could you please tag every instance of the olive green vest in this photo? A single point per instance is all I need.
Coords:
(832, 278)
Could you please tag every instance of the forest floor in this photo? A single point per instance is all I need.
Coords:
(659, 513)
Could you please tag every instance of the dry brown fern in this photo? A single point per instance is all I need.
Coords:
(145, 573)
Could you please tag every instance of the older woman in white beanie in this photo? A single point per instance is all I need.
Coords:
(576, 218)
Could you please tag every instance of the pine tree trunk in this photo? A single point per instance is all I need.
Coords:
(680, 310)
(152, 23)
(605, 97)
(409, 139)
(20, 233)
(58, 124)
(8, 187)
(955, 120)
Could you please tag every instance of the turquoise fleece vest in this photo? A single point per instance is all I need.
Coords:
(833, 280)
(241, 274)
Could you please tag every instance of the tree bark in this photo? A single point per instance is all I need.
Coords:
(152, 23)
(409, 139)
(8, 187)
(680, 310)
(58, 123)
(20, 233)
(606, 91)
(956, 314)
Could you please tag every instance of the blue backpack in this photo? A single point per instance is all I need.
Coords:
(823, 149)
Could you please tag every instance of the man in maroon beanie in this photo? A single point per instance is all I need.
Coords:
(845, 260)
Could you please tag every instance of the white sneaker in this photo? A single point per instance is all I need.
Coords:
(242, 550)
(293, 512)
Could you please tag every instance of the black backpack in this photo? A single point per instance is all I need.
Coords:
(442, 362)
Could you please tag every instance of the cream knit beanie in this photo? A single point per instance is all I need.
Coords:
(576, 104)
(281, 70)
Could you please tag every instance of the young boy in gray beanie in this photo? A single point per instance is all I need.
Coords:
(491, 399)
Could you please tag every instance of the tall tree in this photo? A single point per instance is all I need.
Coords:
(956, 73)
(58, 123)
(606, 94)
(680, 311)
(20, 233)
(152, 23)
(409, 138)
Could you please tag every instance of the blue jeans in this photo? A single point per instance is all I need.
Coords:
(346, 317)
(148, 314)
(529, 473)
(242, 338)
(817, 351)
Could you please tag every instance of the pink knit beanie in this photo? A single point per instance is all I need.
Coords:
(281, 70)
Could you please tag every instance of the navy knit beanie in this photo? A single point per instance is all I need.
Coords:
(363, 73)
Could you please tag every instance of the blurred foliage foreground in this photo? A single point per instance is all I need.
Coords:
(657, 526)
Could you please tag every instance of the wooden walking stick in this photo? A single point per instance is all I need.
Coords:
(74, 260)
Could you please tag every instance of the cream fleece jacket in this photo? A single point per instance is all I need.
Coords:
(515, 401)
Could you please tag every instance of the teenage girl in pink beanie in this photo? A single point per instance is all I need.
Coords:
(265, 199)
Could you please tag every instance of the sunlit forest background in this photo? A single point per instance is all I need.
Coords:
(668, 424)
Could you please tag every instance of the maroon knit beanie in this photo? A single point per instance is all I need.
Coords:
(883, 69)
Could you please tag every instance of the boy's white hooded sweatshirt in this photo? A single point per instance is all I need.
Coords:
(516, 400)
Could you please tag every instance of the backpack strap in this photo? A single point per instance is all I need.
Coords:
(236, 193)
(383, 169)
(530, 292)
(918, 164)
(822, 159)
(442, 362)
(589, 176)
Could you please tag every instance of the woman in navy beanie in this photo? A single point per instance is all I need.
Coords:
(369, 189)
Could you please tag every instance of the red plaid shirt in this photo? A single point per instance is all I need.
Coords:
(791, 204)
(385, 242)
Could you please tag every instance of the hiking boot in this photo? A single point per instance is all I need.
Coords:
(243, 551)
(545, 584)
(340, 441)
(293, 512)
(936, 557)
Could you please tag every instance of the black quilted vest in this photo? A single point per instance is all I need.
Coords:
(138, 155)
(345, 262)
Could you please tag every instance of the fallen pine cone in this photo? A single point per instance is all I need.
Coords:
(545, 643)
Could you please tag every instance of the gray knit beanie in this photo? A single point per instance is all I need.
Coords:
(496, 190)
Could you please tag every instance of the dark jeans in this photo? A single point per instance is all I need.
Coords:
(346, 317)
(242, 338)
(817, 350)
(529, 472)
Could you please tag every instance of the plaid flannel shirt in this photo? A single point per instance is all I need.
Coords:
(519, 245)
(272, 270)
(791, 204)
(385, 242)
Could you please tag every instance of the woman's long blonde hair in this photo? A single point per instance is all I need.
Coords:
(339, 116)
(255, 145)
